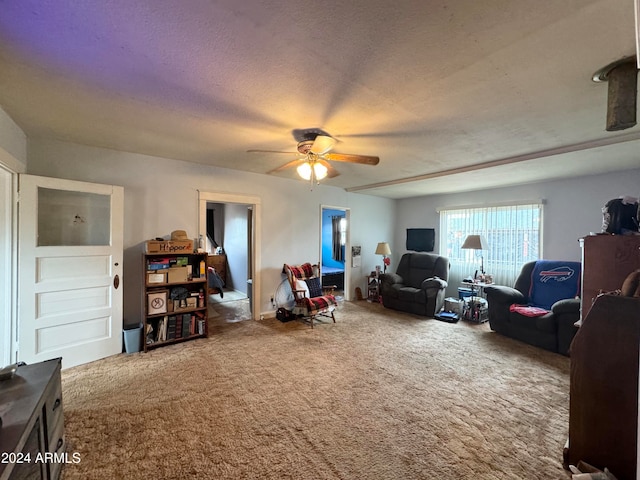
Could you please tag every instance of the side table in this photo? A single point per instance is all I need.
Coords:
(477, 288)
(475, 309)
(373, 288)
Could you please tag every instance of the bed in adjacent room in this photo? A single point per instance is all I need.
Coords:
(333, 276)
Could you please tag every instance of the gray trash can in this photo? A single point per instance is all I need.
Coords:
(132, 338)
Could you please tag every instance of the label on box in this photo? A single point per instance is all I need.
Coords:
(155, 278)
(169, 246)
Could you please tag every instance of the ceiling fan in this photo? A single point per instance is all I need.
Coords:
(314, 154)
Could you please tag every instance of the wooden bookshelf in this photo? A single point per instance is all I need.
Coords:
(174, 298)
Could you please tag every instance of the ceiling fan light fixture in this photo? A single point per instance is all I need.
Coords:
(304, 170)
(312, 169)
(319, 171)
(313, 163)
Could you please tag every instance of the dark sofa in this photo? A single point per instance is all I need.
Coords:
(418, 286)
(552, 331)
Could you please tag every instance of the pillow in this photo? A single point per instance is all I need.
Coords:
(302, 285)
(528, 311)
(315, 288)
(300, 271)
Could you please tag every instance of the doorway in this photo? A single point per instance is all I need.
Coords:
(335, 249)
(229, 225)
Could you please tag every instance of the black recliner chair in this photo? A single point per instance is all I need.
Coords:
(542, 307)
(418, 286)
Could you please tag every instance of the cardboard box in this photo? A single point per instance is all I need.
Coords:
(177, 275)
(169, 246)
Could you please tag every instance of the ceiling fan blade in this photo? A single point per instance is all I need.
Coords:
(271, 151)
(322, 144)
(331, 172)
(343, 157)
(285, 166)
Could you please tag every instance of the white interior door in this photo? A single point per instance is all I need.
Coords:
(69, 270)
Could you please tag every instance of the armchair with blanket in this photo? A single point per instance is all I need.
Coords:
(541, 308)
(418, 286)
(310, 296)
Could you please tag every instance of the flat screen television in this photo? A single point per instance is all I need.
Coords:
(421, 239)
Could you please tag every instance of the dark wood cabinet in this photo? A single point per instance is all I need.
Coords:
(32, 433)
(603, 406)
(606, 262)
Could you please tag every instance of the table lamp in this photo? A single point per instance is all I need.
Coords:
(476, 242)
(384, 250)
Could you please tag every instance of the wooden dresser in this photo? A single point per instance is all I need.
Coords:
(606, 262)
(219, 262)
(603, 405)
(32, 439)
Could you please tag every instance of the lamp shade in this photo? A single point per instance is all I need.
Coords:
(383, 249)
(475, 242)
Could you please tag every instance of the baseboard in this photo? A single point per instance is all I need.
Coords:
(267, 314)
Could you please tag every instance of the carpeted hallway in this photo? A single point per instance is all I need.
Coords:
(232, 307)
(378, 395)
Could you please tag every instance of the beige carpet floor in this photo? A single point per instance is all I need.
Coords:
(377, 395)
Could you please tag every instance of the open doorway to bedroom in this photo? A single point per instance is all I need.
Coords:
(228, 227)
(335, 252)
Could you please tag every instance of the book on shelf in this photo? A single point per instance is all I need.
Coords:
(171, 328)
(158, 264)
(178, 326)
(186, 324)
(162, 329)
(149, 334)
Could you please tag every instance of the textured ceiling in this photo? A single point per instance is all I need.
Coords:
(450, 95)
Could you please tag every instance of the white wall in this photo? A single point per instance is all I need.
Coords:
(573, 208)
(161, 195)
(13, 144)
(13, 160)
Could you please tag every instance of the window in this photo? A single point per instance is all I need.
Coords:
(339, 237)
(513, 234)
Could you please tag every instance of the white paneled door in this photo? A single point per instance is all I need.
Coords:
(69, 270)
